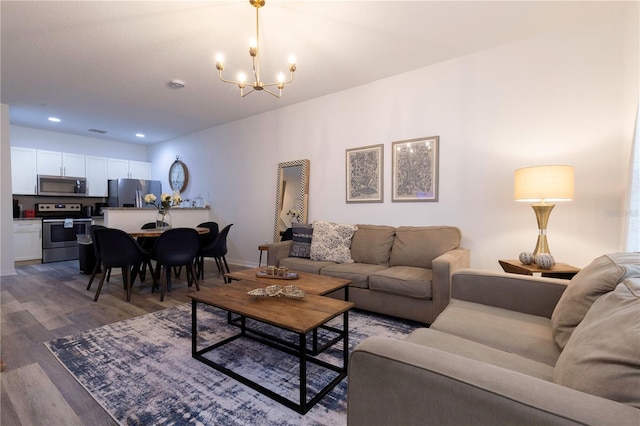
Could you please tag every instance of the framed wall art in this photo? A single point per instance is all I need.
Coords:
(365, 174)
(415, 170)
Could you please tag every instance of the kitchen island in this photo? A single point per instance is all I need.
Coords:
(131, 219)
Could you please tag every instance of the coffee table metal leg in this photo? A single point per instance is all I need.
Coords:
(302, 353)
(194, 327)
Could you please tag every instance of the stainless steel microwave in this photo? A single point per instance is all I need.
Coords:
(62, 186)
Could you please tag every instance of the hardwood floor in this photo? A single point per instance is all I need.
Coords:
(46, 301)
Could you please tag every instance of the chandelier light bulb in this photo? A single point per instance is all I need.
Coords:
(280, 78)
(242, 77)
(253, 42)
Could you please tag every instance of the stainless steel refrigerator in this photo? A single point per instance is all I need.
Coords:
(130, 192)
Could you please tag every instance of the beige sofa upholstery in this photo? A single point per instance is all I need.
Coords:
(502, 353)
(404, 272)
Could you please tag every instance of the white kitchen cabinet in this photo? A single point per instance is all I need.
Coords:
(139, 170)
(60, 163)
(73, 165)
(27, 239)
(96, 176)
(118, 168)
(23, 171)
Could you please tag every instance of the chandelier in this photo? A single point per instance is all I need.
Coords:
(254, 49)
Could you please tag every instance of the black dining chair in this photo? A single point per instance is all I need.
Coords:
(147, 244)
(206, 240)
(174, 248)
(217, 249)
(96, 252)
(119, 250)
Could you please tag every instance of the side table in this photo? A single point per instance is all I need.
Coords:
(559, 270)
(262, 247)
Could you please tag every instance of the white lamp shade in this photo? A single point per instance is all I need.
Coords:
(544, 183)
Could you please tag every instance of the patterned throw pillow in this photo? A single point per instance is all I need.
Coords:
(332, 242)
(301, 242)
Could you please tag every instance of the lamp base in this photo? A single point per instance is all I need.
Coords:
(542, 211)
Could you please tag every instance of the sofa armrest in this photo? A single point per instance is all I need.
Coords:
(278, 251)
(443, 268)
(397, 382)
(520, 293)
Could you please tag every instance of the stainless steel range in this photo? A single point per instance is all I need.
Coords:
(61, 224)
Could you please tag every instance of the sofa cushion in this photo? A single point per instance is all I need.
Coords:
(457, 345)
(403, 280)
(301, 240)
(419, 245)
(602, 357)
(358, 273)
(527, 335)
(599, 277)
(331, 242)
(372, 244)
(303, 265)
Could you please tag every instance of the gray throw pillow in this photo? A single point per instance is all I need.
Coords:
(301, 241)
(599, 277)
(602, 355)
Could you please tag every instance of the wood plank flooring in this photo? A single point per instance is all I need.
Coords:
(46, 301)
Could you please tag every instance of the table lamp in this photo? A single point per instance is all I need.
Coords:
(541, 186)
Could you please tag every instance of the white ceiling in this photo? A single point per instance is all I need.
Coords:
(106, 64)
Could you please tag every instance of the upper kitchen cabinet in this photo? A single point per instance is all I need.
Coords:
(117, 168)
(96, 176)
(60, 164)
(23, 170)
(139, 170)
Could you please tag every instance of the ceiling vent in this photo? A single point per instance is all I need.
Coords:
(102, 132)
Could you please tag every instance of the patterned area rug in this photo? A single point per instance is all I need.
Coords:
(141, 371)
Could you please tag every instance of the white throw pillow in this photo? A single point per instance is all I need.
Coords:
(332, 242)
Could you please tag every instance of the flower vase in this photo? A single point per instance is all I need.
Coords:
(163, 219)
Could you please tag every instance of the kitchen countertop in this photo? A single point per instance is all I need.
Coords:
(153, 208)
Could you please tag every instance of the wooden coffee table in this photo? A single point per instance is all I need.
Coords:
(310, 283)
(298, 316)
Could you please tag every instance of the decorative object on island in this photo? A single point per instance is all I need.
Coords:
(365, 174)
(541, 186)
(178, 175)
(163, 218)
(415, 169)
(254, 50)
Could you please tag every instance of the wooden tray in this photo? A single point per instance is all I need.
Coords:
(286, 276)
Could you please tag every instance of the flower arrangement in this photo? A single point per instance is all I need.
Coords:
(295, 214)
(166, 200)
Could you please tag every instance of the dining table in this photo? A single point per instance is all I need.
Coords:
(156, 232)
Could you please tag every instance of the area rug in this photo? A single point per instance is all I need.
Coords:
(141, 370)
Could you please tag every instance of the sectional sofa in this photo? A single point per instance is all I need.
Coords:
(512, 349)
(399, 271)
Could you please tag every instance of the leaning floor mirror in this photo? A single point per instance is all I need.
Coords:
(292, 196)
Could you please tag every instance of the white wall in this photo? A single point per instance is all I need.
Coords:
(565, 97)
(6, 203)
(55, 141)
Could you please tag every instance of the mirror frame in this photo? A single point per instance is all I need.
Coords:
(303, 190)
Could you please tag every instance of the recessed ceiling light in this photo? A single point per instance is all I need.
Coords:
(176, 84)
(140, 135)
(55, 119)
